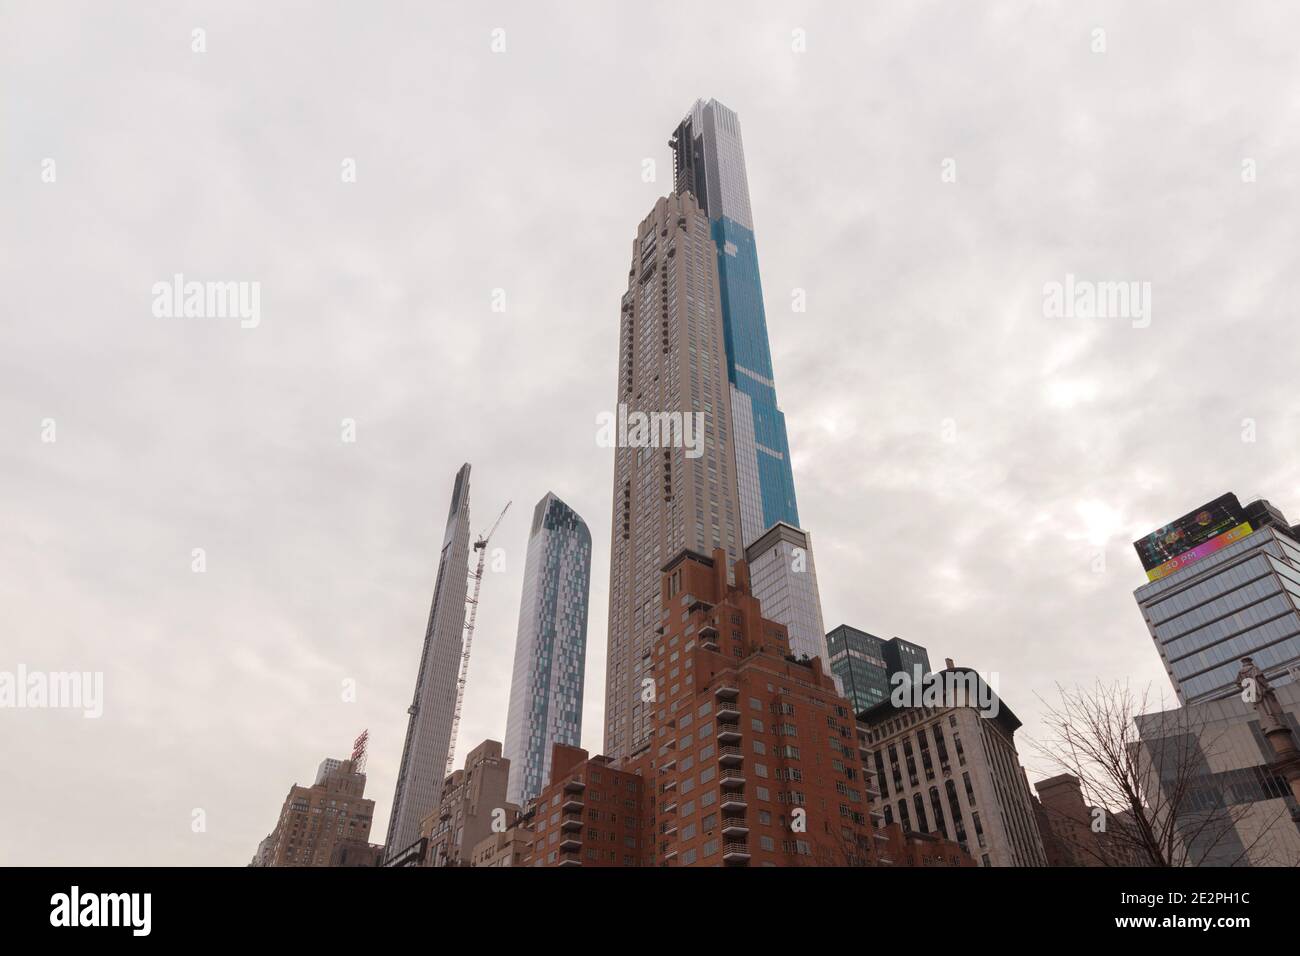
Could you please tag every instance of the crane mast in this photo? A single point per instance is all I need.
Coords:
(471, 613)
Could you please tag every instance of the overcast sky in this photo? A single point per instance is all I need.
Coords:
(961, 459)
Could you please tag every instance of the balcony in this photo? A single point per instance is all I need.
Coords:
(574, 786)
(669, 763)
(734, 824)
(734, 800)
(726, 690)
(876, 815)
(731, 777)
(730, 756)
(569, 861)
(669, 784)
(728, 709)
(728, 731)
(570, 841)
(571, 821)
(572, 805)
(709, 637)
(670, 828)
(735, 852)
(670, 806)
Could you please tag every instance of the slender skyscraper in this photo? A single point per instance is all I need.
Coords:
(428, 733)
(709, 163)
(550, 647)
(673, 496)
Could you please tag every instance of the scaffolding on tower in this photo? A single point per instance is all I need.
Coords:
(467, 642)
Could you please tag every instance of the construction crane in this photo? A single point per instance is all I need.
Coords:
(471, 612)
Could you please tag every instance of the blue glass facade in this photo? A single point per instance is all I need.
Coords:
(550, 647)
(709, 162)
(749, 367)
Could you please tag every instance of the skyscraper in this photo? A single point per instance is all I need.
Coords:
(1223, 584)
(709, 163)
(672, 361)
(428, 732)
(315, 821)
(550, 646)
(865, 665)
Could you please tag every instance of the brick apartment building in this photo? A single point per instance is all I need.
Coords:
(590, 814)
(471, 800)
(909, 848)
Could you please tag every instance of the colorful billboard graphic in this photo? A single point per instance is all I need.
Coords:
(1190, 531)
(1194, 555)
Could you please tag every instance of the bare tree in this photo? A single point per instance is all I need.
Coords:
(1161, 807)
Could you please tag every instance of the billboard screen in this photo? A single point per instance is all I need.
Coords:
(1194, 535)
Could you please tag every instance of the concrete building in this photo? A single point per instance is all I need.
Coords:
(472, 802)
(428, 731)
(952, 768)
(784, 579)
(669, 493)
(864, 665)
(1238, 809)
(315, 820)
(753, 759)
(550, 646)
(1224, 583)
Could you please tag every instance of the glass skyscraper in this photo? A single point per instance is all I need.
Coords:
(865, 664)
(428, 732)
(709, 162)
(550, 648)
(1242, 598)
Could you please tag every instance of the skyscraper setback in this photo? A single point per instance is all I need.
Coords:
(428, 732)
(550, 646)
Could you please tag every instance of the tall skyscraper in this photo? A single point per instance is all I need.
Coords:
(1224, 583)
(864, 665)
(672, 360)
(428, 732)
(709, 163)
(550, 646)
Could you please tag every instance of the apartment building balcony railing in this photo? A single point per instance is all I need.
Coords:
(730, 756)
(733, 824)
(735, 851)
(571, 821)
(728, 731)
(731, 777)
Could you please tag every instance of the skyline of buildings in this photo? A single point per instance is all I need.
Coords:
(714, 599)
(550, 660)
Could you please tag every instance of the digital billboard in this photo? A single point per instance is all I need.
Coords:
(1193, 536)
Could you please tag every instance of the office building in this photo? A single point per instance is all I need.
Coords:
(315, 820)
(428, 731)
(1069, 828)
(1218, 762)
(550, 646)
(865, 665)
(672, 490)
(1223, 584)
(952, 769)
